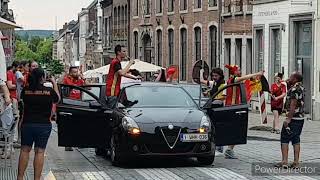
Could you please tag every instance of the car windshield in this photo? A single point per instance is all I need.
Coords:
(156, 96)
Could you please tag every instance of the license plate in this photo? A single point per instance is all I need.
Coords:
(194, 137)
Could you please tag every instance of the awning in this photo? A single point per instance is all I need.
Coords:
(141, 66)
(5, 24)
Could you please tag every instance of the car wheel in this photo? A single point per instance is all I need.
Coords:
(101, 152)
(207, 160)
(115, 154)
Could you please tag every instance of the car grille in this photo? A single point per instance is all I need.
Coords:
(168, 141)
(171, 136)
(163, 148)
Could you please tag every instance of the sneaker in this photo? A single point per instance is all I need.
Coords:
(277, 131)
(68, 149)
(220, 149)
(273, 130)
(229, 154)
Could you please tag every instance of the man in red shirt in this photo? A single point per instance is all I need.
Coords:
(74, 79)
(115, 74)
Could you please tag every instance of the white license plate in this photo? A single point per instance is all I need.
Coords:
(194, 137)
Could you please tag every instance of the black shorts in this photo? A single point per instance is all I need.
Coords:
(277, 109)
(296, 129)
(35, 133)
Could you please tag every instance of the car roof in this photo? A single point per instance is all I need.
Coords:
(150, 84)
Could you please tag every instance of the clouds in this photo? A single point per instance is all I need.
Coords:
(40, 14)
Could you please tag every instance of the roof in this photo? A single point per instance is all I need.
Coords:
(5, 24)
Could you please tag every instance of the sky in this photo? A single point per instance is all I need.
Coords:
(41, 14)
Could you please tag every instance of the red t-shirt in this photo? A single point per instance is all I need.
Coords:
(277, 91)
(113, 78)
(12, 77)
(233, 93)
(74, 94)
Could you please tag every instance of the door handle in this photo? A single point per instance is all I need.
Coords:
(65, 114)
(241, 112)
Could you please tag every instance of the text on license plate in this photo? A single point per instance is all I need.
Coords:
(193, 137)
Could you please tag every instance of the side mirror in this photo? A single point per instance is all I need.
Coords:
(121, 106)
(95, 105)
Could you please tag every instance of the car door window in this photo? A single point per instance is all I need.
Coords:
(78, 97)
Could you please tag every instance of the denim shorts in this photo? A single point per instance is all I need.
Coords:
(296, 129)
(35, 133)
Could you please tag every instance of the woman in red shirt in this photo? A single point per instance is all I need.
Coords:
(278, 92)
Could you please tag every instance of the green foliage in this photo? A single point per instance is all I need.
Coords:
(23, 52)
(40, 50)
(55, 67)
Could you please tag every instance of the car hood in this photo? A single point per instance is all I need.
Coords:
(165, 115)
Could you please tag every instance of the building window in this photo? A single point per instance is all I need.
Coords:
(197, 35)
(212, 3)
(258, 49)
(213, 46)
(183, 5)
(171, 45)
(159, 48)
(197, 4)
(159, 6)
(238, 53)
(183, 54)
(227, 52)
(136, 44)
(147, 7)
(136, 8)
(170, 5)
(249, 56)
(275, 48)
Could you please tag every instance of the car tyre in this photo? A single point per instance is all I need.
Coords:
(206, 160)
(115, 154)
(101, 152)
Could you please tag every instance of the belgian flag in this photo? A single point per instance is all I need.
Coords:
(255, 86)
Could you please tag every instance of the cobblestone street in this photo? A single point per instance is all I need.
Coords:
(262, 147)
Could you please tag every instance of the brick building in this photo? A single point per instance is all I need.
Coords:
(115, 26)
(237, 33)
(174, 32)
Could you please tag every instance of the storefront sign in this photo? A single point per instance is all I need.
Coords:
(268, 13)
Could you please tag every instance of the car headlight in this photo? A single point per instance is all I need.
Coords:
(130, 125)
(205, 125)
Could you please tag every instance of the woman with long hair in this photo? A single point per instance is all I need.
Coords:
(36, 126)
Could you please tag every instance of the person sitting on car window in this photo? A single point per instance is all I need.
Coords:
(115, 74)
(216, 84)
(36, 126)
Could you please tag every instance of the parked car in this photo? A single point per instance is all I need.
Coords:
(149, 119)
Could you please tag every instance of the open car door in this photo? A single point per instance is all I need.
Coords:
(230, 120)
(83, 121)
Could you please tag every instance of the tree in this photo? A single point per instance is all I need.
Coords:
(55, 67)
(23, 52)
(44, 51)
(34, 43)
